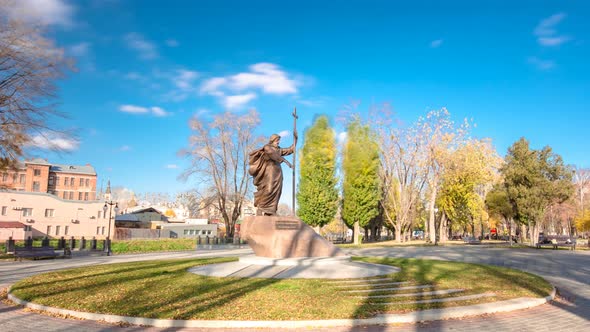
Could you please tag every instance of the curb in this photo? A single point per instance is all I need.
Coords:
(382, 319)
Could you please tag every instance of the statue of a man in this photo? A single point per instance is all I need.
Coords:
(265, 167)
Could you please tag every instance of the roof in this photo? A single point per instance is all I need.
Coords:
(127, 217)
(87, 169)
(11, 224)
(38, 161)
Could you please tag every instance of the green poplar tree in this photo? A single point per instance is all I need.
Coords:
(360, 187)
(317, 196)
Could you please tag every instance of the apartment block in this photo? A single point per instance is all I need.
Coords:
(68, 182)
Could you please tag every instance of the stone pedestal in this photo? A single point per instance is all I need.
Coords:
(285, 237)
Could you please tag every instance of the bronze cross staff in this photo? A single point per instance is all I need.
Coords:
(294, 153)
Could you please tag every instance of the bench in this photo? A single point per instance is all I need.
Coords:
(34, 252)
(556, 241)
(471, 240)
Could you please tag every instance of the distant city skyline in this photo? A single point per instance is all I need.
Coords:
(516, 68)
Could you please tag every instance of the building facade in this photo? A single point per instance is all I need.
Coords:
(44, 214)
(68, 182)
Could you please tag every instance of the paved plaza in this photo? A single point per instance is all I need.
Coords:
(569, 271)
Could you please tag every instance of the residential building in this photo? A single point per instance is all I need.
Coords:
(68, 182)
(44, 214)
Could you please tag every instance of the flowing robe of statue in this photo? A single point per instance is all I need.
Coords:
(265, 168)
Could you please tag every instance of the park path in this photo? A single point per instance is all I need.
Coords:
(569, 271)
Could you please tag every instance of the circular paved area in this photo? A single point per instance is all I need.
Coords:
(568, 271)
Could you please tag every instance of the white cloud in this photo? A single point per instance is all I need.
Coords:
(125, 148)
(52, 141)
(342, 137)
(185, 78)
(233, 102)
(541, 64)
(133, 109)
(546, 32)
(134, 76)
(171, 166)
(147, 50)
(266, 77)
(80, 49)
(552, 41)
(172, 43)
(158, 111)
(213, 85)
(284, 133)
(436, 43)
(47, 12)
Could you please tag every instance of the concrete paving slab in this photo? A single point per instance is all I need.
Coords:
(258, 271)
(374, 290)
(440, 292)
(447, 299)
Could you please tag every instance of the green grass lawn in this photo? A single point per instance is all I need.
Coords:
(164, 289)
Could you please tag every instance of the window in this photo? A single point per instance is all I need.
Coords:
(87, 183)
(27, 212)
(99, 212)
(4, 177)
(51, 180)
(81, 182)
(66, 182)
(28, 228)
(4, 209)
(57, 230)
(85, 196)
(48, 230)
(22, 179)
(79, 196)
(56, 180)
(98, 230)
(36, 186)
(186, 232)
(102, 230)
(49, 212)
(71, 195)
(37, 172)
(65, 195)
(14, 178)
(66, 229)
(72, 183)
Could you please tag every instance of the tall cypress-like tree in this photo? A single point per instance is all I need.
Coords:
(317, 196)
(360, 186)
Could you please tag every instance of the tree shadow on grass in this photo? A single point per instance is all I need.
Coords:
(201, 295)
(421, 271)
(114, 277)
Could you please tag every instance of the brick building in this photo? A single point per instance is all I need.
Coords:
(68, 182)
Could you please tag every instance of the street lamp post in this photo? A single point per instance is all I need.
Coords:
(104, 209)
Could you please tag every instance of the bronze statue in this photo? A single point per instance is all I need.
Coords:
(265, 167)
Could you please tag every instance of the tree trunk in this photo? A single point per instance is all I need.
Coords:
(398, 234)
(431, 219)
(356, 232)
(510, 231)
(443, 228)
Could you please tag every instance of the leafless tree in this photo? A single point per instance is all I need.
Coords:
(403, 171)
(219, 151)
(30, 64)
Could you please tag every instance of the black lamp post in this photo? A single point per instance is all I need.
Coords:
(104, 209)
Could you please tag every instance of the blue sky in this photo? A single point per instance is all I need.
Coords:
(517, 68)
